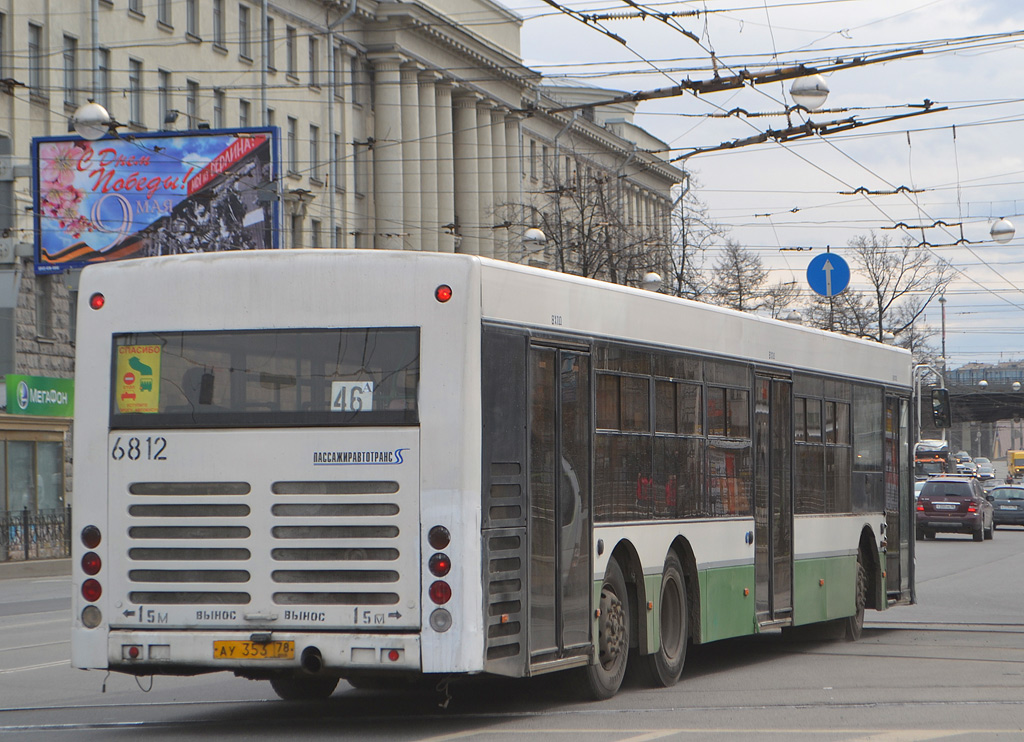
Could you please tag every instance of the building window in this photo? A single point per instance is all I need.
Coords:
(35, 60)
(218, 109)
(192, 104)
(338, 73)
(70, 71)
(103, 94)
(3, 44)
(314, 233)
(218, 23)
(163, 12)
(244, 108)
(163, 97)
(533, 159)
(289, 50)
(44, 306)
(32, 474)
(270, 117)
(359, 168)
(244, 47)
(192, 17)
(293, 145)
(135, 6)
(135, 92)
(314, 152)
(314, 61)
(296, 231)
(271, 65)
(338, 163)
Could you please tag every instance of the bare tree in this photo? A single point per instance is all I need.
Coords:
(849, 313)
(738, 279)
(583, 216)
(693, 232)
(903, 280)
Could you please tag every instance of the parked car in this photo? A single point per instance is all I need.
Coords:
(1008, 505)
(954, 504)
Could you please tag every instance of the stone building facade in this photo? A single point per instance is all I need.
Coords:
(411, 125)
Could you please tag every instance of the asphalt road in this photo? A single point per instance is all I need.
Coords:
(951, 667)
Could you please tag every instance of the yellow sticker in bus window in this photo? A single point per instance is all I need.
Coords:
(137, 386)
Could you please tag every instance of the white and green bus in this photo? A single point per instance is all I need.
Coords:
(309, 465)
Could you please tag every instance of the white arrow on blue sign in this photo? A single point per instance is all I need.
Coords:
(828, 274)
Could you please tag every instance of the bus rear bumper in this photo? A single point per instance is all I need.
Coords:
(255, 653)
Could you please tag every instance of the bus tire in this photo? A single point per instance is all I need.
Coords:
(666, 665)
(303, 687)
(855, 623)
(605, 675)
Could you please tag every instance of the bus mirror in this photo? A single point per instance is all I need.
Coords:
(940, 408)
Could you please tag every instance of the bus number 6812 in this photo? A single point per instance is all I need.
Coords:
(135, 449)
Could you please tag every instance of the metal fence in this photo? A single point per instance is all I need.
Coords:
(35, 534)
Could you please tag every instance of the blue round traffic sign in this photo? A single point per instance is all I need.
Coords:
(828, 274)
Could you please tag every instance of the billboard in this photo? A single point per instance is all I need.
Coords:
(140, 195)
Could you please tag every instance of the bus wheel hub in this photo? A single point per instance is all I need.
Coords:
(612, 629)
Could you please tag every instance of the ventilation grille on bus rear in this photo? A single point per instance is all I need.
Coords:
(505, 560)
(206, 547)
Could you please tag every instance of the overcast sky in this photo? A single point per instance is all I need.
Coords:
(967, 163)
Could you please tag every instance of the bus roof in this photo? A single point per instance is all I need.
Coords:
(542, 300)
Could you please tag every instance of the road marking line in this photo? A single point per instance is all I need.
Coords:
(33, 646)
(35, 667)
(910, 735)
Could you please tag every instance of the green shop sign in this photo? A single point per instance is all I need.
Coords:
(40, 395)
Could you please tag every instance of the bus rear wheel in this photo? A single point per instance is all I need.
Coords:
(666, 665)
(605, 676)
(855, 623)
(303, 687)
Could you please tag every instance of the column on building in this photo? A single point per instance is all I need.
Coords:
(388, 181)
(411, 166)
(500, 182)
(514, 186)
(467, 175)
(430, 186)
(485, 167)
(445, 167)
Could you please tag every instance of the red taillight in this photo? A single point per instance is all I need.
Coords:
(440, 565)
(920, 507)
(440, 592)
(97, 300)
(394, 655)
(972, 508)
(92, 590)
(443, 293)
(91, 563)
(439, 537)
(91, 537)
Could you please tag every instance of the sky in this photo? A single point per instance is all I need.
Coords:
(963, 166)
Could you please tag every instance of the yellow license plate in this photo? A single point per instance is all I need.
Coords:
(236, 650)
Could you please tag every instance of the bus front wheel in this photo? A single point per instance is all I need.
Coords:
(666, 665)
(605, 675)
(303, 687)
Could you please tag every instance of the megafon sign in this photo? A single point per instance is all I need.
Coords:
(152, 194)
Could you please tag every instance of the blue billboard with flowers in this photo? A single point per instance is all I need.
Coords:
(141, 195)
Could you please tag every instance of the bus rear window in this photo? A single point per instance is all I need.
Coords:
(258, 378)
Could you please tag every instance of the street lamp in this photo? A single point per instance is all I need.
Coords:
(809, 92)
(1002, 231)
(651, 281)
(91, 121)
